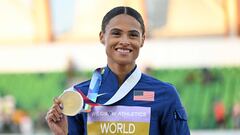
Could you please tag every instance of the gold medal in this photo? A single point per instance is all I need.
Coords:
(72, 102)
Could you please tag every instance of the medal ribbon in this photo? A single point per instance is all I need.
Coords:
(125, 88)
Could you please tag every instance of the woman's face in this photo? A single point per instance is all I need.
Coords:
(123, 39)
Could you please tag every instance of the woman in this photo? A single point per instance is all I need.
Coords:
(150, 106)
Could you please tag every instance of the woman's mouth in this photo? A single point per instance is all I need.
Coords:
(123, 50)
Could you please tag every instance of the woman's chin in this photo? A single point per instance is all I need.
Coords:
(124, 62)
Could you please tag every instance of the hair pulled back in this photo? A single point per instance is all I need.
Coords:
(122, 10)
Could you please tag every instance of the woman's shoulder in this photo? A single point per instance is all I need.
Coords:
(150, 80)
(163, 90)
(157, 85)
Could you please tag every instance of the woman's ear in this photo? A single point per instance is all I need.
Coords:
(101, 37)
(143, 39)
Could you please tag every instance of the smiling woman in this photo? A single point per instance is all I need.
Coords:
(125, 91)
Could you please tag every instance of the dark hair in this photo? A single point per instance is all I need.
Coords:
(122, 10)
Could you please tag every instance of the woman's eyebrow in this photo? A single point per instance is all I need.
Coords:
(134, 31)
(131, 31)
(115, 29)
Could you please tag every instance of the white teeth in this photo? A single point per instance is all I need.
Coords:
(123, 50)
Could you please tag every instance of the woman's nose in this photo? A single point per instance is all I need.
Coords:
(124, 40)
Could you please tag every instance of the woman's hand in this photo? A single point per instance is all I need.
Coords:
(57, 121)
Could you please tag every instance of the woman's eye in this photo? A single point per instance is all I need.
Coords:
(115, 33)
(134, 35)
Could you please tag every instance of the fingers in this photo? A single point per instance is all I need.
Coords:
(55, 113)
(57, 105)
(56, 100)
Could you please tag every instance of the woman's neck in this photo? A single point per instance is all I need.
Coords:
(121, 71)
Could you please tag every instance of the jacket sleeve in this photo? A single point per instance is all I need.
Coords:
(176, 123)
(175, 120)
(75, 125)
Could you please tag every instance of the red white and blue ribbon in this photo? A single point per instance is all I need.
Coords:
(125, 88)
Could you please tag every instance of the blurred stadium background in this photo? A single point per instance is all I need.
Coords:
(48, 45)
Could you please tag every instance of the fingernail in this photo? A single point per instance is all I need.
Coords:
(61, 106)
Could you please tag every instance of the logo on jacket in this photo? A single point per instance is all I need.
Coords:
(140, 95)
